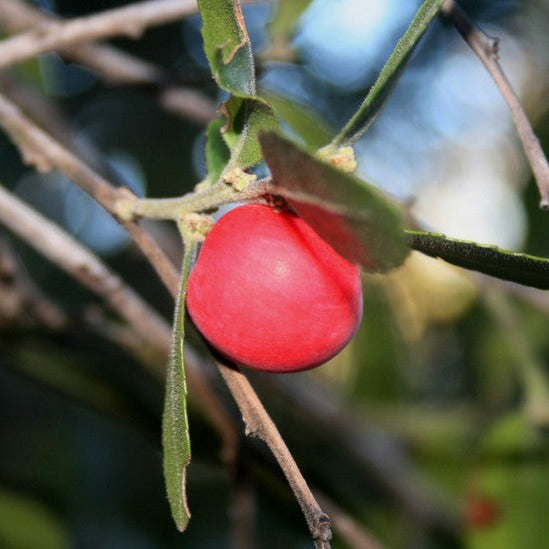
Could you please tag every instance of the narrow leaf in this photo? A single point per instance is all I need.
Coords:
(229, 53)
(357, 219)
(228, 46)
(389, 75)
(245, 118)
(517, 267)
(175, 426)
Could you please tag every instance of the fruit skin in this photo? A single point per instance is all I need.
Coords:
(268, 293)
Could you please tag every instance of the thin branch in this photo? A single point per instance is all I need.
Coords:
(45, 153)
(39, 149)
(212, 406)
(363, 445)
(47, 114)
(198, 201)
(128, 21)
(486, 49)
(113, 64)
(259, 424)
(64, 251)
(354, 534)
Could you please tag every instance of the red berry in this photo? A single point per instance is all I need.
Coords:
(481, 511)
(268, 293)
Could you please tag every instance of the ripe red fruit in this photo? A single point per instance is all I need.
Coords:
(268, 293)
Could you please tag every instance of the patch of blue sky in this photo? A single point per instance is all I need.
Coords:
(345, 42)
(63, 78)
(62, 201)
(90, 222)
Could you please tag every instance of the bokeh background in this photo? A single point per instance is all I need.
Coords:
(430, 429)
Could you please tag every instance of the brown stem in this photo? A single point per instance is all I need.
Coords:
(486, 49)
(212, 406)
(113, 64)
(259, 424)
(353, 533)
(129, 20)
(361, 443)
(64, 251)
(46, 153)
(45, 112)
(39, 149)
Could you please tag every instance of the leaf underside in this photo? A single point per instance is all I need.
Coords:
(358, 220)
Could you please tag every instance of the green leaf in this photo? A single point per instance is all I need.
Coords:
(357, 219)
(517, 267)
(389, 75)
(175, 426)
(217, 153)
(229, 52)
(227, 46)
(302, 121)
(245, 118)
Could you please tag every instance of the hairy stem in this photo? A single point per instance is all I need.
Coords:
(173, 208)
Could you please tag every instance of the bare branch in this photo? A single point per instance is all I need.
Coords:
(486, 49)
(363, 444)
(129, 21)
(355, 534)
(39, 149)
(189, 103)
(259, 424)
(113, 64)
(60, 248)
(212, 405)
(46, 113)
